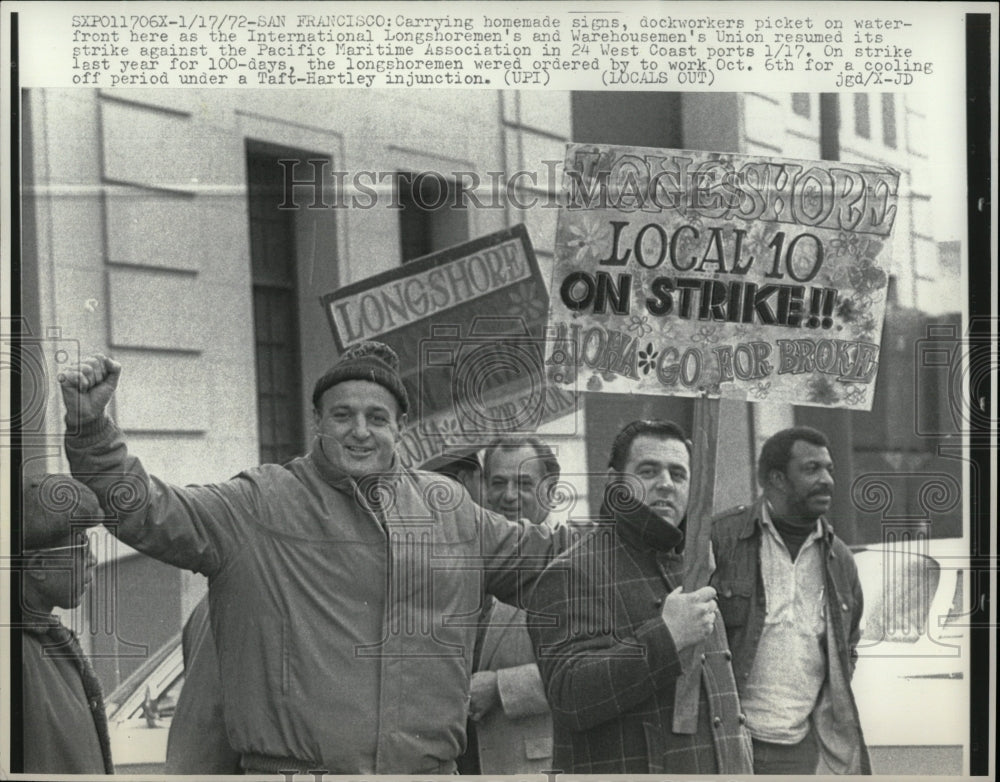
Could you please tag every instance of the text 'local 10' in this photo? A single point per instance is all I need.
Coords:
(692, 273)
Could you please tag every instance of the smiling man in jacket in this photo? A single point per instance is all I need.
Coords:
(791, 600)
(337, 581)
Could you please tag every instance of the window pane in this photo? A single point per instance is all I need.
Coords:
(276, 314)
(862, 121)
(429, 220)
(889, 119)
(800, 104)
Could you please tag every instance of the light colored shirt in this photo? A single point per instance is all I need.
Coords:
(790, 665)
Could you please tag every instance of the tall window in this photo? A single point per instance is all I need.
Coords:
(862, 118)
(889, 120)
(829, 126)
(800, 104)
(433, 214)
(275, 304)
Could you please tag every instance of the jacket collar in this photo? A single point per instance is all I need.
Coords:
(753, 523)
(39, 624)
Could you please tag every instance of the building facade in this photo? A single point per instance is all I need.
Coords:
(190, 234)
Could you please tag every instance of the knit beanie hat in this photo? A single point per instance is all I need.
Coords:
(375, 362)
(53, 504)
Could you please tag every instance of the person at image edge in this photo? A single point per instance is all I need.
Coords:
(64, 725)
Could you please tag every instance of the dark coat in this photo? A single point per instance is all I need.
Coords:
(610, 665)
(65, 727)
(736, 541)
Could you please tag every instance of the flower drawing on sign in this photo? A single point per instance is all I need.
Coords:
(856, 313)
(848, 310)
(855, 395)
(640, 324)
(866, 277)
(647, 358)
(822, 391)
(589, 239)
(523, 303)
(761, 389)
(847, 243)
(741, 330)
(864, 326)
(705, 335)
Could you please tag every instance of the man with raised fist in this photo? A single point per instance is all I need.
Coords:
(611, 626)
(334, 580)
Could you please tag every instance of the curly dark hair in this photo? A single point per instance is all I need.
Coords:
(777, 450)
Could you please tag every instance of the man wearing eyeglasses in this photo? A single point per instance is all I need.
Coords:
(65, 728)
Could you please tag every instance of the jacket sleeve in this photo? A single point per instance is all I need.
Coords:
(195, 527)
(521, 691)
(514, 554)
(591, 673)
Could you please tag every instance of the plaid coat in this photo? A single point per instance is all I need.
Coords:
(610, 666)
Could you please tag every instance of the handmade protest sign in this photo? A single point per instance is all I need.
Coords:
(468, 324)
(694, 273)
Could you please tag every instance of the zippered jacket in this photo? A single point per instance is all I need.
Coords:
(344, 617)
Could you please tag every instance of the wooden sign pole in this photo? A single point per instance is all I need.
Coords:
(704, 442)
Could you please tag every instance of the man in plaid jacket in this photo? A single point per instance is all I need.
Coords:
(614, 631)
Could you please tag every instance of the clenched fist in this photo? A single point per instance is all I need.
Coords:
(88, 387)
(690, 617)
